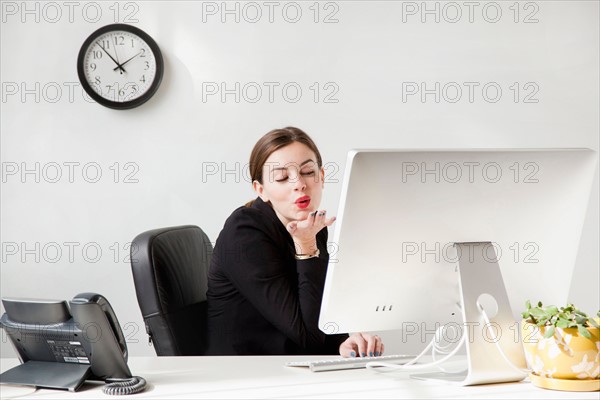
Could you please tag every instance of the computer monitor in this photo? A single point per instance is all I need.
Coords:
(395, 264)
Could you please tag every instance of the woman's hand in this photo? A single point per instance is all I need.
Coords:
(362, 345)
(304, 232)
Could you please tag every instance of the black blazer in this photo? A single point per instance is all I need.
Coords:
(261, 300)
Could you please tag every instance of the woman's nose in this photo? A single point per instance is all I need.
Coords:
(299, 183)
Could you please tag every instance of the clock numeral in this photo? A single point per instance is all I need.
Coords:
(97, 80)
(147, 65)
(112, 88)
(128, 91)
(119, 40)
(142, 52)
(93, 66)
(133, 87)
(143, 79)
(106, 44)
(97, 54)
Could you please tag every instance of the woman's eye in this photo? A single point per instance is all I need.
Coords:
(285, 178)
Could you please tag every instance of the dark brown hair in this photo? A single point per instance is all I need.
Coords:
(273, 141)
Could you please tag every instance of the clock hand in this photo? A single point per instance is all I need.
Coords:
(111, 57)
(118, 62)
(121, 65)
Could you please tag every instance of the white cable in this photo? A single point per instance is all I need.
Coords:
(497, 342)
(444, 350)
(432, 345)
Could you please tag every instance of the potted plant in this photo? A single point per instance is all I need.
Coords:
(562, 347)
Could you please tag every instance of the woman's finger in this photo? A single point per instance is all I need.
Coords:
(371, 342)
(361, 344)
(348, 349)
(320, 220)
(292, 226)
(378, 346)
(311, 218)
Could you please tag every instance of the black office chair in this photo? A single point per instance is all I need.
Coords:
(170, 268)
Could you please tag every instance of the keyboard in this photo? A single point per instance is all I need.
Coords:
(335, 364)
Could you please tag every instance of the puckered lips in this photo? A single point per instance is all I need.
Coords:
(303, 202)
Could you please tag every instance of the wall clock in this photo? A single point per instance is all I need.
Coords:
(120, 66)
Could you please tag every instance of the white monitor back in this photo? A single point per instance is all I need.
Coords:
(392, 264)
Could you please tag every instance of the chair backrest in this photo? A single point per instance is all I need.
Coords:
(170, 268)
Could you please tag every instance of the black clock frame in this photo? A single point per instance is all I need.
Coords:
(125, 105)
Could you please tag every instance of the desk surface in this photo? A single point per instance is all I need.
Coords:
(267, 377)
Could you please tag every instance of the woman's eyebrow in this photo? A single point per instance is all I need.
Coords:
(285, 168)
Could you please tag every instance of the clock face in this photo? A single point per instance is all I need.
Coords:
(120, 66)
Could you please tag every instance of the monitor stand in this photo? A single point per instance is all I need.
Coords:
(47, 374)
(480, 281)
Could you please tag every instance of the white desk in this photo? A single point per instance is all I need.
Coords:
(267, 377)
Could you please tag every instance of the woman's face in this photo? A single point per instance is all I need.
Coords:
(292, 182)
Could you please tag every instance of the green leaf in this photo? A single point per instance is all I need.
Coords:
(549, 332)
(584, 332)
(540, 304)
(536, 312)
(562, 323)
(552, 310)
(593, 322)
(568, 308)
(528, 305)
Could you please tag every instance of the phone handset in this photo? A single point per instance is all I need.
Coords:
(95, 298)
(96, 318)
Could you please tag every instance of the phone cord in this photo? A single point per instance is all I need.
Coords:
(120, 387)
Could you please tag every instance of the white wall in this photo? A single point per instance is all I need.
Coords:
(365, 57)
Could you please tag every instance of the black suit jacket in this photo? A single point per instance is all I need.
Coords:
(261, 300)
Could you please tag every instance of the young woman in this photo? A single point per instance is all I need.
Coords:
(268, 268)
